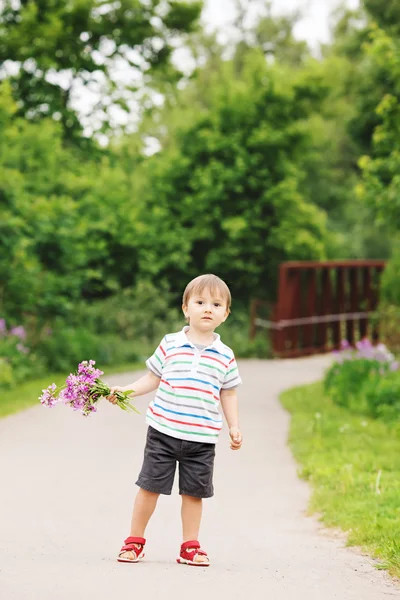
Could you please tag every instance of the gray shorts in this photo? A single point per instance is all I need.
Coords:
(196, 465)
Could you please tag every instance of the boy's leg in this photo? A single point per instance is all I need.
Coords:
(196, 465)
(144, 506)
(191, 512)
(157, 474)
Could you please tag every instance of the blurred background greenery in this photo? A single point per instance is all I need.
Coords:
(260, 152)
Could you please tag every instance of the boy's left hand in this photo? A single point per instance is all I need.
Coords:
(236, 438)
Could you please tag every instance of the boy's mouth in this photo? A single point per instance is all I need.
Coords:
(207, 318)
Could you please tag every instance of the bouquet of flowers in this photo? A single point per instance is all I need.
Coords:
(83, 390)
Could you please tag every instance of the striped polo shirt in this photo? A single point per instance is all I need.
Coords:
(186, 405)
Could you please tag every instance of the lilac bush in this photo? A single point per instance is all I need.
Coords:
(3, 328)
(13, 338)
(17, 354)
(18, 332)
(365, 350)
(364, 379)
(83, 390)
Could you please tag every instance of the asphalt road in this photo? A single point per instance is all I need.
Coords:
(66, 491)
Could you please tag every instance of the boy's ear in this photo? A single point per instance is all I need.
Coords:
(184, 309)
(228, 312)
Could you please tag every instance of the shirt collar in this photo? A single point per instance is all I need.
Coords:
(182, 339)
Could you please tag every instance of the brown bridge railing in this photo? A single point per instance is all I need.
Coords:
(319, 304)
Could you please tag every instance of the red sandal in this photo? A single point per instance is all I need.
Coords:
(130, 545)
(187, 557)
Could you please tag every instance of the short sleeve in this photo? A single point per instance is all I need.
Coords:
(232, 377)
(156, 362)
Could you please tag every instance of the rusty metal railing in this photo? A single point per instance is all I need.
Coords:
(320, 303)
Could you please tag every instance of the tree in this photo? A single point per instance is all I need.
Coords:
(63, 47)
(342, 129)
(225, 189)
(271, 34)
(386, 13)
(381, 167)
(65, 234)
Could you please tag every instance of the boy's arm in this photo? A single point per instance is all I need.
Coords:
(146, 384)
(230, 407)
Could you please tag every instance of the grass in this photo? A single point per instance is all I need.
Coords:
(26, 394)
(353, 466)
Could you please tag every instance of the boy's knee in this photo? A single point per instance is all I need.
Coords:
(187, 498)
(148, 495)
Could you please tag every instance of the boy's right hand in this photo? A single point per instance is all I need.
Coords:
(112, 398)
(236, 438)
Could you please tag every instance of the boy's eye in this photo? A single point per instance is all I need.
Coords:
(200, 302)
(217, 304)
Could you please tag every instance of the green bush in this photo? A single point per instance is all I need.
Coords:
(121, 329)
(382, 395)
(369, 386)
(390, 282)
(235, 333)
(6, 375)
(143, 313)
(388, 320)
(389, 307)
(124, 328)
(19, 360)
(344, 382)
(68, 346)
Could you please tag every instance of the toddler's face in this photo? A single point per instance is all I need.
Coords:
(206, 311)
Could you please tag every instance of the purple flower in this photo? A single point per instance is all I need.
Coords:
(22, 348)
(365, 350)
(87, 371)
(88, 410)
(48, 397)
(77, 393)
(364, 344)
(3, 328)
(18, 332)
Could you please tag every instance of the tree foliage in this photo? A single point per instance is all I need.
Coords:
(225, 195)
(258, 160)
(63, 47)
(63, 231)
(381, 168)
(271, 34)
(386, 14)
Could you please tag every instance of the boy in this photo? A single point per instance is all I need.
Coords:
(193, 373)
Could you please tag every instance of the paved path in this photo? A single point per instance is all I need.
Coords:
(66, 491)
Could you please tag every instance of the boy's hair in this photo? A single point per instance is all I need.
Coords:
(211, 282)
